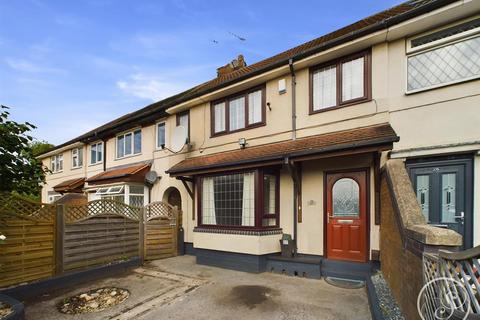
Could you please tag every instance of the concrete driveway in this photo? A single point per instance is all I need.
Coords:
(177, 288)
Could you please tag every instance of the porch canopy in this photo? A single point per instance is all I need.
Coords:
(70, 186)
(131, 173)
(354, 141)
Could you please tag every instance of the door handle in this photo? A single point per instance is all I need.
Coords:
(328, 217)
(461, 216)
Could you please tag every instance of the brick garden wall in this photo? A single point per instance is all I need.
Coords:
(401, 268)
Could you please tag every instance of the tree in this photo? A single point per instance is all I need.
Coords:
(20, 171)
(39, 147)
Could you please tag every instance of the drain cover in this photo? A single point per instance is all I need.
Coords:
(345, 283)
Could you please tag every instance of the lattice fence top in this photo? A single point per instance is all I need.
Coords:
(159, 210)
(94, 208)
(14, 206)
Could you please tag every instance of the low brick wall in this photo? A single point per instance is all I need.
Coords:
(405, 236)
(401, 268)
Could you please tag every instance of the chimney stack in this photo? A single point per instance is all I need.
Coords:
(232, 66)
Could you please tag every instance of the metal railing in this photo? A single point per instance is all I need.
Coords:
(451, 280)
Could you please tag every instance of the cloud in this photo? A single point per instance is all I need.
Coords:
(150, 87)
(31, 67)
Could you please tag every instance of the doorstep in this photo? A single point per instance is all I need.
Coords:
(311, 266)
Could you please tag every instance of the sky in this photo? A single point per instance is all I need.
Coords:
(70, 66)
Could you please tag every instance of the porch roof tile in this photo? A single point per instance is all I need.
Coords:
(324, 143)
(71, 185)
(120, 172)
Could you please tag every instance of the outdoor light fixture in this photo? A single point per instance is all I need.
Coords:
(242, 142)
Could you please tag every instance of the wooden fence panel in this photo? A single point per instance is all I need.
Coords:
(98, 233)
(28, 253)
(44, 240)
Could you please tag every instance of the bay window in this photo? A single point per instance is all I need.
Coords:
(238, 112)
(341, 82)
(57, 163)
(129, 143)
(240, 200)
(132, 195)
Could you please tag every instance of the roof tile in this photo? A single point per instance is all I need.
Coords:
(318, 143)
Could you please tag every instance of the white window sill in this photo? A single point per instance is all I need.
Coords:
(95, 164)
(129, 156)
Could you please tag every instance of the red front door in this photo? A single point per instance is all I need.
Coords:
(346, 215)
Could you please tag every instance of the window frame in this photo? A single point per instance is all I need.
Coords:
(227, 100)
(132, 148)
(79, 156)
(177, 121)
(96, 150)
(434, 45)
(259, 199)
(157, 125)
(55, 161)
(338, 63)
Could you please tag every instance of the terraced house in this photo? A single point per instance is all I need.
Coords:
(295, 144)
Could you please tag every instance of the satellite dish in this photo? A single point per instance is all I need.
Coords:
(179, 139)
(151, 177)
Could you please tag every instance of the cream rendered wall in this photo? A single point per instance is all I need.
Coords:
(52, 179)
(439, 116)
(256, 245)
(148, 147)
(311, 229)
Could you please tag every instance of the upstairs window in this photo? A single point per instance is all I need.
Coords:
(183, 119)
(161, 135)
(96, 153)
(77, 157)
(450, 55)
(57, 163)
(129, 143)
(238, 112)
(341, 82)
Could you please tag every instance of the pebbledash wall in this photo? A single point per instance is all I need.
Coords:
(436, 121)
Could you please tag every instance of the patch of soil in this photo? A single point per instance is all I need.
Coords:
(5, 310)
(93, 300)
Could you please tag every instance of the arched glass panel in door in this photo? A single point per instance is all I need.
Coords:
(346, 198)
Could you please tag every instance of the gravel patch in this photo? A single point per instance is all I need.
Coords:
(93, 300)
(5, 310)
(390, 309)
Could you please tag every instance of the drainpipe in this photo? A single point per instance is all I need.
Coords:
(294, 107)
(104, 155)
(293, 174)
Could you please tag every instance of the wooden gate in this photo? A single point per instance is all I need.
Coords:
(29, 252)
(100, 232)
(161, 230)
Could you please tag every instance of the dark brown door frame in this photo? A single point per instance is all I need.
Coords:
(367, 192)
